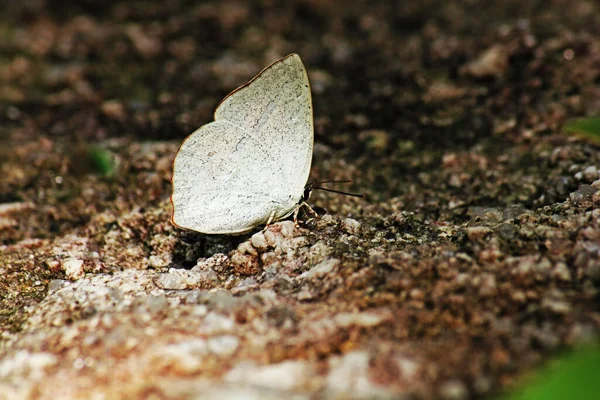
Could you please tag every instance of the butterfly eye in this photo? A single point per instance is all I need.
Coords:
(307, 192)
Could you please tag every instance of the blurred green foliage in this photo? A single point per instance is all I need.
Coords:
(588, 128)
(102, 161)
(573, 376)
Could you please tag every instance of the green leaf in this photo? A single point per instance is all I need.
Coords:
(102, 161)
(588, 128)
(574, 376)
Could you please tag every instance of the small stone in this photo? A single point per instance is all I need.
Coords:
(160, 261)
(246, 248)
(216, 262)
(245, 285)
(477, 232)
(146, 45)
(178, 279)
(16, 207)
(416, 294)
(114, 109)
(305, 295)
(493, 62)
(590, 174)
(319, 80)
(169, 282)
(207, 277)
(408, 368)
(56, 284)
(488, 286)
(531, 266)
(245, 264)
(583, 194)
(318, 252)
(350, 226)
(482, 385)
(507, 231)
(363, 319)
(73, 268)
(259, 241)
(454, 390)
(592, 271)
(556, 306)
(519, 296)
(287, 228)
(320, 270)
(561, 272)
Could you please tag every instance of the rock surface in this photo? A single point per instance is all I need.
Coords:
(474, 256)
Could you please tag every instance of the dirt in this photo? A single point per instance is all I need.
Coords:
(473, 257)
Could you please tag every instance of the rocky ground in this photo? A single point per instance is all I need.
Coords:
(474, 257)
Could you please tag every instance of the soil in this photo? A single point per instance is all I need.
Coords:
(473, 258)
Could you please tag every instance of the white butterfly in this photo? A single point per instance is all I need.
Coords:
(250, 165)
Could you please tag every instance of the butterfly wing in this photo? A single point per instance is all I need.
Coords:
(252, 162)
(276, 108)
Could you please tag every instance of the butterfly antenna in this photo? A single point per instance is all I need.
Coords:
(338, 191)
(321, 182)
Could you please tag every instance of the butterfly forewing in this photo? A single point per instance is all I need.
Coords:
(276, 108)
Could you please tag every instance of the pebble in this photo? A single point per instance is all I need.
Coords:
(453, 390)
(493, 62)
(583, 194)
(590, 174)
(259, 241)
(321, 269)
(350, 226)
(73, 268)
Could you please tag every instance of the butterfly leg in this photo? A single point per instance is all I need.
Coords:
(297, 210)
(271, 217)
(313, 212)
